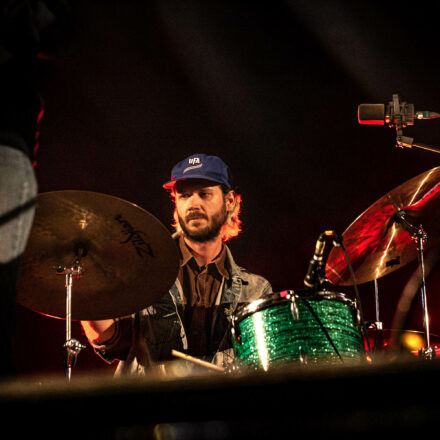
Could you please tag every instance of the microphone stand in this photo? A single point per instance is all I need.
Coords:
(402, 115)
(408, 142)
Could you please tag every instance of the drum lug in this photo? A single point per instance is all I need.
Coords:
(303, 357)
(357, 314)
(294, 308)
(235, 331)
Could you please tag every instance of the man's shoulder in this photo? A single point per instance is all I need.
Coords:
(254, 286)
(248, 276)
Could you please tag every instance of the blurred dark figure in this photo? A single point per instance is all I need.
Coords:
(30, 31)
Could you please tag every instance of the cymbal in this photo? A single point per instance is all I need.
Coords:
(378, 242)
(128, 257)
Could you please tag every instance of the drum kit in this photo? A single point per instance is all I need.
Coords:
(319, 326)
(92, 256)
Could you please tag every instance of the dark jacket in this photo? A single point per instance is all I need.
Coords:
(148, 336)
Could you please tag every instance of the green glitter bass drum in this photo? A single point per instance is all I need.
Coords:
(298, 327)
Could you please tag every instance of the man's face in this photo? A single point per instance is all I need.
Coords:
(201, 209)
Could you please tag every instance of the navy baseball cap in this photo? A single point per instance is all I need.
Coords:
(200, 166)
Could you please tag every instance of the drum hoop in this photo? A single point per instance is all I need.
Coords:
(275, 299)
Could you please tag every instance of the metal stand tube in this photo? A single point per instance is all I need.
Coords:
(376, 300)
(72, 347)
(420, 237)
(427, 352)
(69, 280)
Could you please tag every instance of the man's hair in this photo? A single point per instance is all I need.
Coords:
(232, 226)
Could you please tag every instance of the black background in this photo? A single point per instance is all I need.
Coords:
(273, 88)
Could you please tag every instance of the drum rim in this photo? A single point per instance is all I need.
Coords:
(275, 298)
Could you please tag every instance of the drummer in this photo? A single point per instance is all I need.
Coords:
(192, 316)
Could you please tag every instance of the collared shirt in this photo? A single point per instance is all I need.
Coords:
(200, 286)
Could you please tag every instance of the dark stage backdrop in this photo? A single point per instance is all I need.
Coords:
(270, 86)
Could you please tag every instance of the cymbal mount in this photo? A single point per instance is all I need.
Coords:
(417, 232)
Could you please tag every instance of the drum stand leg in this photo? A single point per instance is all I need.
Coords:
(72, 347)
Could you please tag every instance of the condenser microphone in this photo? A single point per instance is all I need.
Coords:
(312, 277)
(371, 114)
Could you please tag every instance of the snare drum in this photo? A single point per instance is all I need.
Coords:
(297, 327)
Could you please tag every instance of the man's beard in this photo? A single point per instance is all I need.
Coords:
(208, 233)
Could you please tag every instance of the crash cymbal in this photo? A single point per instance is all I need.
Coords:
(129, 258)
(379, 241)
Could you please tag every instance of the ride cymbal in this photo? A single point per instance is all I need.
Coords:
(382, 239)
(128, 256)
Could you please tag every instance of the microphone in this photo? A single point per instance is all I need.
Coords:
(313, 276)
(395, 113)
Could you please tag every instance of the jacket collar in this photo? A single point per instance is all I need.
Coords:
(234, 269)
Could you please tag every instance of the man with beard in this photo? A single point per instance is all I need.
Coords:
(193, 316)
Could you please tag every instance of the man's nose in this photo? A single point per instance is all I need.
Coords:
(194, 201)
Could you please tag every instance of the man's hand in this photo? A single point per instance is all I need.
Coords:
(98, 332)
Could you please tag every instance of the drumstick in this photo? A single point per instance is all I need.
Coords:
(187, 357)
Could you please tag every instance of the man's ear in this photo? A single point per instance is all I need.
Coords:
(230, 200)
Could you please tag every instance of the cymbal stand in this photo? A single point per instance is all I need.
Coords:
(420, 237)
(428, 352)
(378, 322)
(72, 347)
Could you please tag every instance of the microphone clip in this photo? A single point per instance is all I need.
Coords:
(399, 114)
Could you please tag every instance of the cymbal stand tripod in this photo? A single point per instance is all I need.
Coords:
(420, 237)
(72, 347)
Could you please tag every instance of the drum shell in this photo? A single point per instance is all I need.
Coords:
(297, 327)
